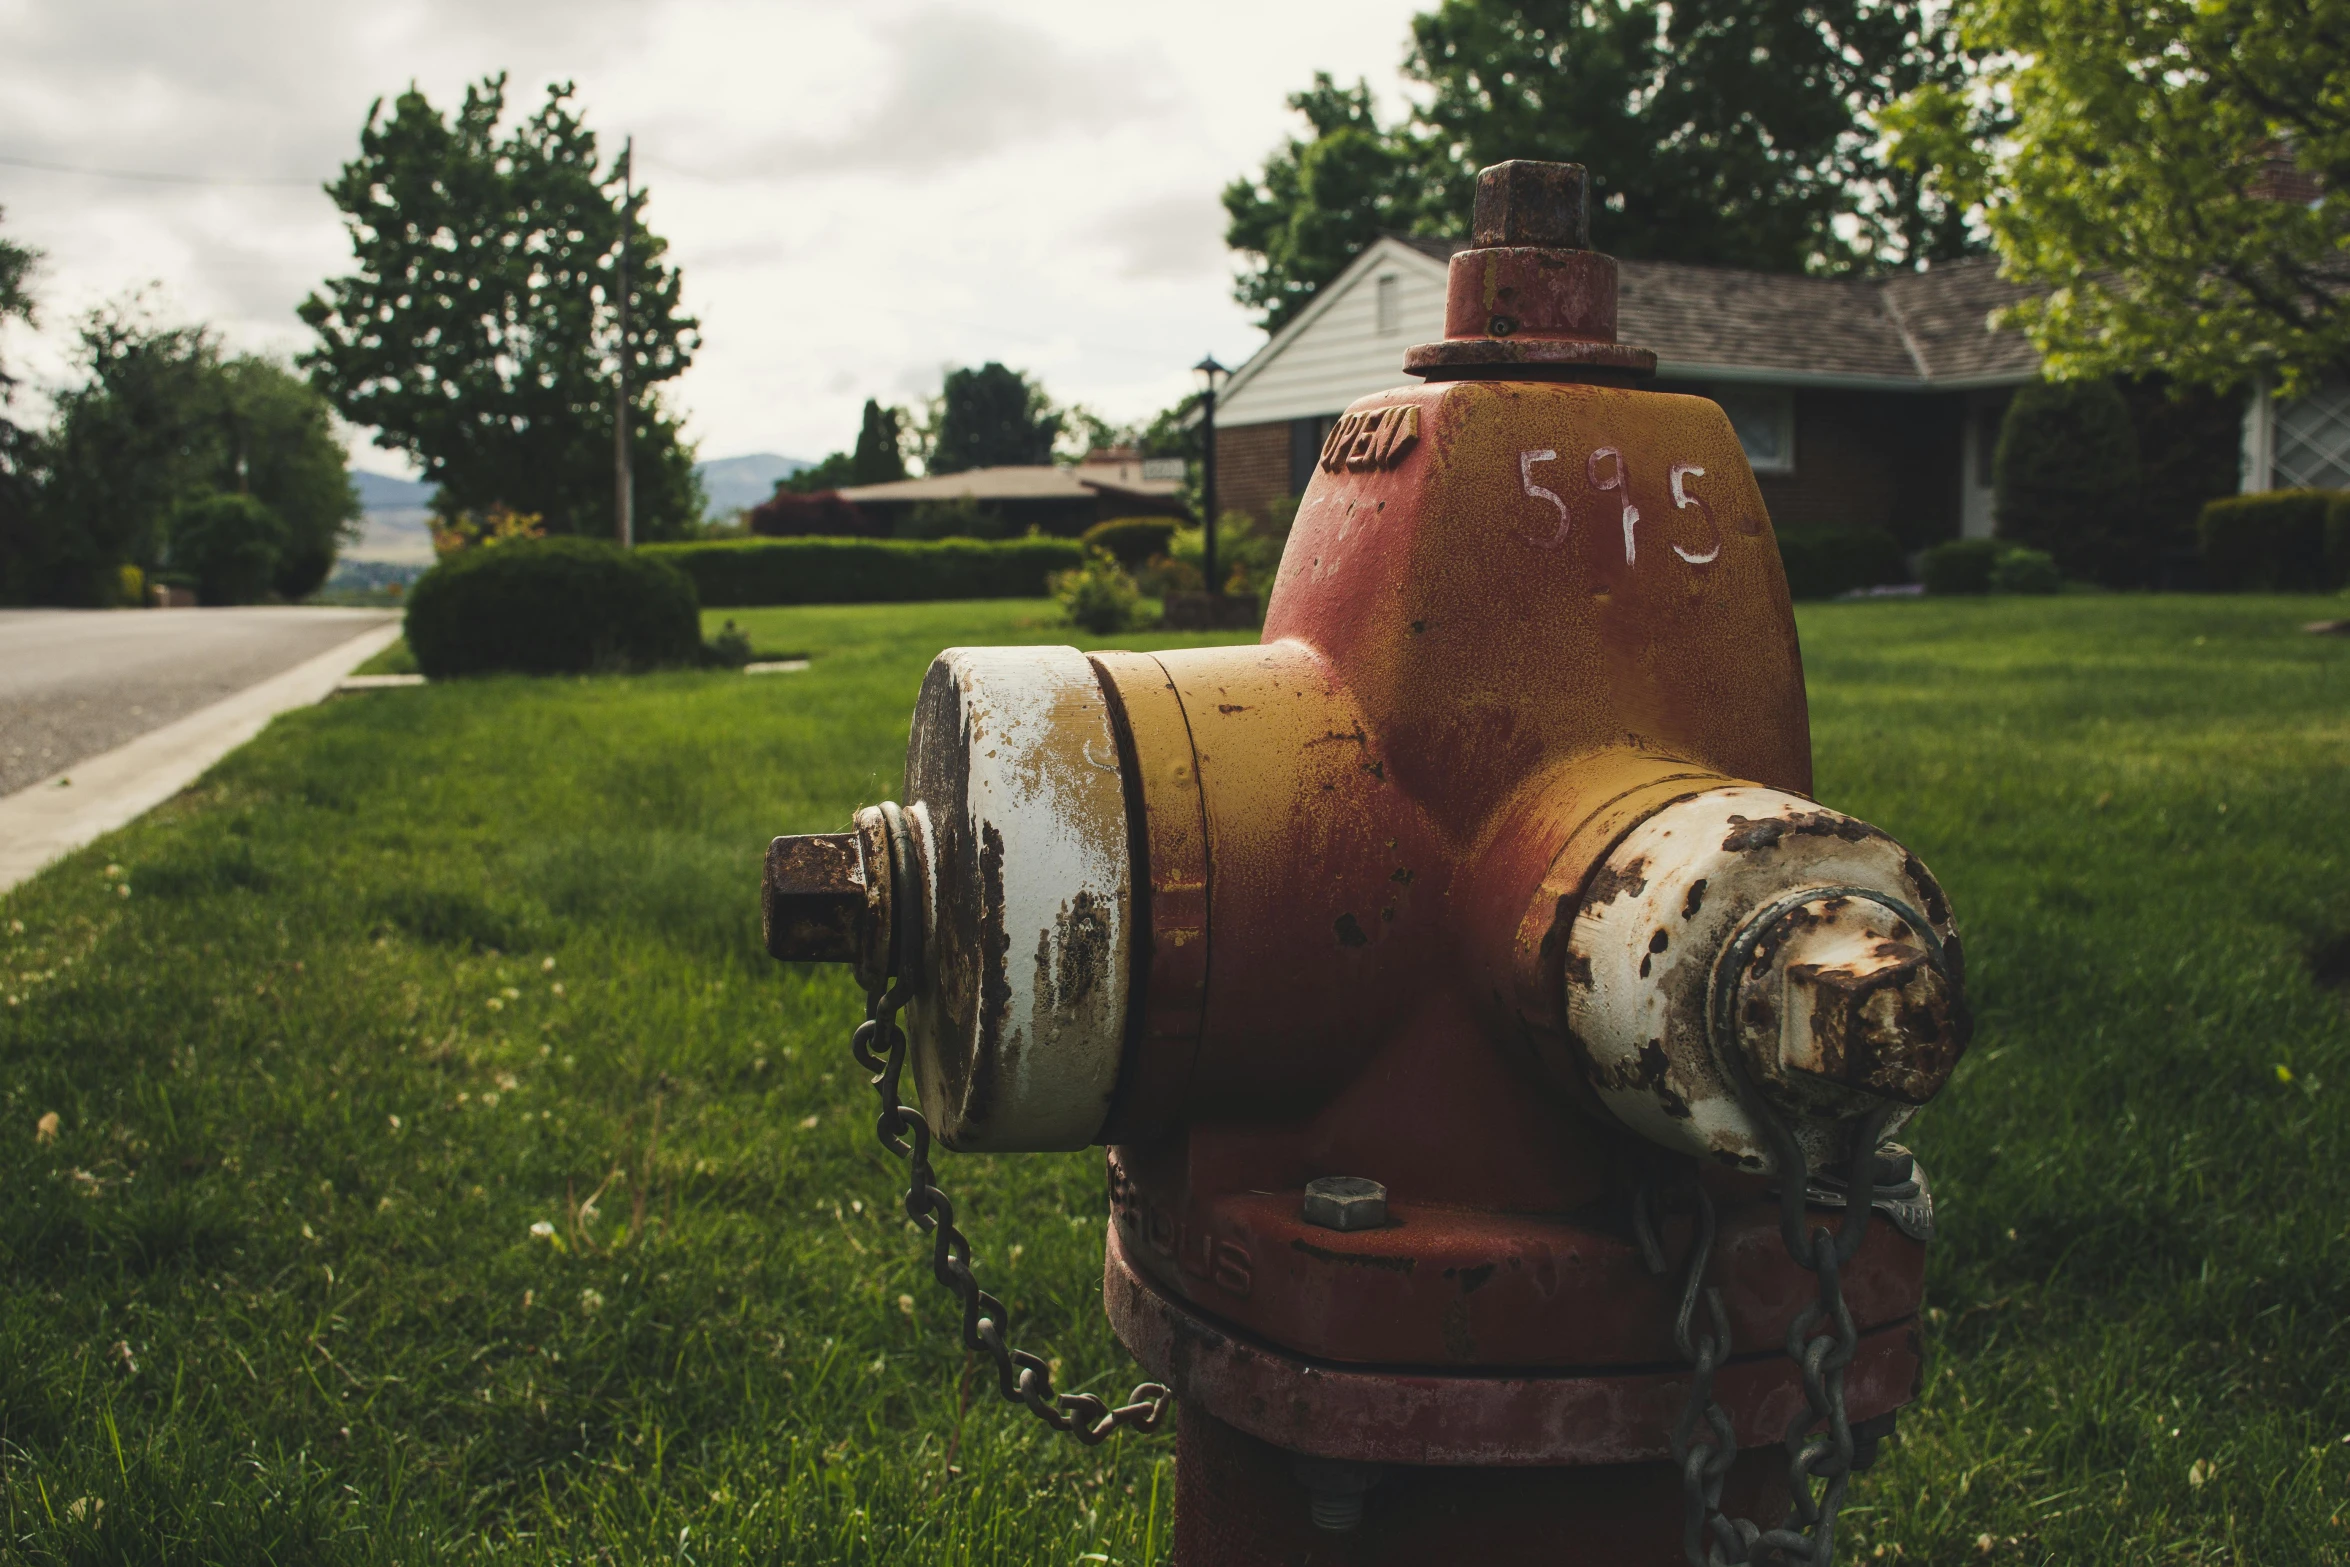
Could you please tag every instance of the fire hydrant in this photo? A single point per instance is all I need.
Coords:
(1494, 1044)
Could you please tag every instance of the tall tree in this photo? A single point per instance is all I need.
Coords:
(1320, 199)
(879, 457)
(992, 417)
(2175, 172)
(19, 545)
(162, 421)
(479, 330)
(1730, 131)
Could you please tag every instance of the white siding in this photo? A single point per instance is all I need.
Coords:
(1336, 352)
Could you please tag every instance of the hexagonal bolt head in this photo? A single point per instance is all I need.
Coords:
(1523, 202)
(1345, 1202)
(813, 899)
(1864, 1004)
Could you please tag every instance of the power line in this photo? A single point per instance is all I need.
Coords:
(149, 177)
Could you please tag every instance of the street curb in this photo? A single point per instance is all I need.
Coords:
(45, 821)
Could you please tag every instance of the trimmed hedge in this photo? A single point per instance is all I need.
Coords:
(1961, 565)
(2278, 541)
(1134, 540)
(552, 606)
(735, 573)
(1823, 562)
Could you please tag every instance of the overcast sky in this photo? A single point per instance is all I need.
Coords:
(859, 194)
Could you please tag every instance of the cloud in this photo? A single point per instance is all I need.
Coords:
(1179, 235)
(959, 87)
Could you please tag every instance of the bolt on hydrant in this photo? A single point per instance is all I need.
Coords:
(1495, 1046)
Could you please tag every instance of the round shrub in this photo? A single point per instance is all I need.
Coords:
(2026, 571)
(551, 607)
(1134, 540)
(2066, 471)
(1099, 595)
(1960, 565)
(230, 544)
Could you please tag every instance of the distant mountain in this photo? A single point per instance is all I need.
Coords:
(733, 483)
(382, 492)
(397, 528)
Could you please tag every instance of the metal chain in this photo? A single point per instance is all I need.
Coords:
(880, 1048)
(1821, 1340)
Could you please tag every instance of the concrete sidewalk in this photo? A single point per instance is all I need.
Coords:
(59, 814)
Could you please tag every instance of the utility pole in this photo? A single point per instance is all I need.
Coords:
(623, 476)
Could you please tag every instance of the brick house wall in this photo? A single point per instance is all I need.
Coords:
(1253, 467)
(1872, 460)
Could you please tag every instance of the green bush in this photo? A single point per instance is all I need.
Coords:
(552, 606)
(2279, 541)
(1960, 566)
(1823, 562)
(1134, 540)
(2021, 570)
(1099, 595)
(2067, 475)
(1248, 552)
(734, 573)
(230, 544)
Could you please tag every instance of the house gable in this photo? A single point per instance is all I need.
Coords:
(1339, 348)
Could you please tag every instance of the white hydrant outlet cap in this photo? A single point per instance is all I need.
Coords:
(1745, 942)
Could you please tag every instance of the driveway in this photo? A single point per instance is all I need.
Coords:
(76, 683)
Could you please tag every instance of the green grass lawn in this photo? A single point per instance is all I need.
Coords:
(442, 1172)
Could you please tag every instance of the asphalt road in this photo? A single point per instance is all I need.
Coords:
(75, 683)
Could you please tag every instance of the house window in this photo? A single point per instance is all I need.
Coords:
(1305, 449)
(1764, 417)
(2313, 440)
(1390, 305)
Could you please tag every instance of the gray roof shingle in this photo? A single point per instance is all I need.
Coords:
(1926, 328)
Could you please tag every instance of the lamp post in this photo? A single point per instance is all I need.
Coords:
(1211, 374)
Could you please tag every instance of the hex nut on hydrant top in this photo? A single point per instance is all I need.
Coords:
(1494, 1044)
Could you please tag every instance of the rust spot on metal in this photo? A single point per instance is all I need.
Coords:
(1401, 874)
(1474, 1279)
(1748, 836)
(1350, 932)
(1231, 707)
(1695, 900)
(1609, 884)
(1355, 1259)
(1578, 967)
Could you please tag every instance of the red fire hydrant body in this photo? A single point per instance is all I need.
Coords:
(1489, 879)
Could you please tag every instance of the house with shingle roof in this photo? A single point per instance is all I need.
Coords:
(1861, 402)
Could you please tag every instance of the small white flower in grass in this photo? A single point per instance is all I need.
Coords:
(46, 1128)
(16, 927)
(122, 889)
(511, 994)
(395, 1120)
(543, 1230)
(86, 1507)
(906, 1304)
(496, 1004)
(489, 1100)
(556, 988)
(880, 1364)
(591, 1301)
(808, 1123)
(113, 871)
(2201, 1471)
(547, 967)
(1983, 1543)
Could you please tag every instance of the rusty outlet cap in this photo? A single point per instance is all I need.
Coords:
(813, 898)
(1344, 1202)
(1849, 991)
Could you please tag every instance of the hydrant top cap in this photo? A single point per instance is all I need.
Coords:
(1523, 202)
